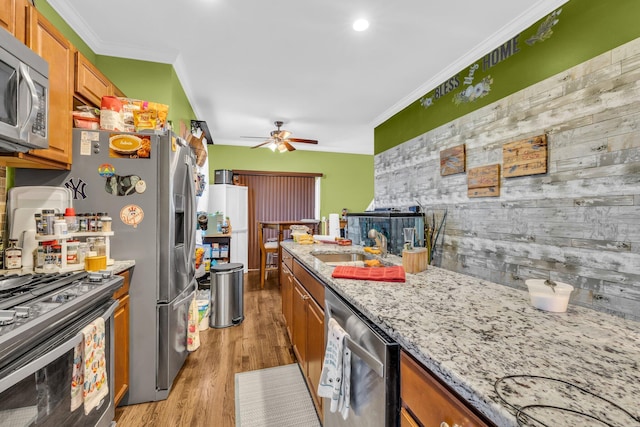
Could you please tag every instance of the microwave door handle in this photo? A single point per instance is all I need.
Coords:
(35, 105)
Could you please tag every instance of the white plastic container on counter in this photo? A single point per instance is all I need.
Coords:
(545, 296)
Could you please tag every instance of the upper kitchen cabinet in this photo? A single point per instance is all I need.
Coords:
(90, 84)
(13, 17)
(44, 39)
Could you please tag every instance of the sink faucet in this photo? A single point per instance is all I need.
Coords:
(381, 241)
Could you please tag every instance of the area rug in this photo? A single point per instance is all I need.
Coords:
(274, 397)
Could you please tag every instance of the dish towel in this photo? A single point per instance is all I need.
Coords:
(380, 274)
(95, 372)
(77, 377)
(193, 331)
(336, 370)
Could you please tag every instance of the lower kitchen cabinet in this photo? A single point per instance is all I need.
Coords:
(286, 290)
(302, 304)
(425, 401)
(121, 333)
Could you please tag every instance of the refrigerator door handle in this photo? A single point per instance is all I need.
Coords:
(190, 219)
(190, 296)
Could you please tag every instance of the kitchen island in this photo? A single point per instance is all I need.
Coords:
(471, 333)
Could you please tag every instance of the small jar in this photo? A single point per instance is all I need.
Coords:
(38, 218)
(99, 216)
(57, 255)
(100, 246)
(83, 249)
(71, 220)
(106, 222)
(72, 251)
(49, 257)
(60, 227)
(13, 255)
(82, 223)
(38, 260)
(91, 221)
(91, 241)
(48, 218)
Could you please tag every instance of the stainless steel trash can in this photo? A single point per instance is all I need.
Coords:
(227, 292)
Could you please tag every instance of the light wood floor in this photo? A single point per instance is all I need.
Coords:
(203, 392)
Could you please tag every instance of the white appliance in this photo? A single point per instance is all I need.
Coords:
(233, 201)
(24, 96)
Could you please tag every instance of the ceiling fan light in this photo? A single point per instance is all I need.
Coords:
(282, 148)
(272, 146)
(360, 25)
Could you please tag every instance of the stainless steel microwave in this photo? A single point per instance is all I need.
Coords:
(24, 97)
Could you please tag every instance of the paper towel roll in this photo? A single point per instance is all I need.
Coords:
(334, 225)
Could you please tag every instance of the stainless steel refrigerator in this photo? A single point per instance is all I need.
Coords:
(145, 182)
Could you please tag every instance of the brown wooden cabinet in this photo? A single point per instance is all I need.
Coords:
(90, 84)
(286, 291)
(303, 310)
(12, 17)
(121, 333)
(425, 401)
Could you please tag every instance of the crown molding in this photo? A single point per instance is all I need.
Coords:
(523, 21)
(99, 46)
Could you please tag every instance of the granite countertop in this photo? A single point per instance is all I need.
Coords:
(472, 333)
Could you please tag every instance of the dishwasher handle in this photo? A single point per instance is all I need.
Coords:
(372, 361)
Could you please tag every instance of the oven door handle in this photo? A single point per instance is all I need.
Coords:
(372, 361)
(32, 367)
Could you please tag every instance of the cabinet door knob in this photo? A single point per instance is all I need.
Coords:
(305, 297)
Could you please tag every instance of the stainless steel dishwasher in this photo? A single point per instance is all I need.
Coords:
(375, 372)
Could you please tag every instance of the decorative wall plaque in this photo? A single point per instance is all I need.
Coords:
(484, 181)
(525, 157)
(452, 160)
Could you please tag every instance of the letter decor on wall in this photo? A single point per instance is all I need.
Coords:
(525, 157)
(484, 181)
(452, 160)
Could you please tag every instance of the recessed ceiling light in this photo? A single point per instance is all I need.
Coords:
(361, 25)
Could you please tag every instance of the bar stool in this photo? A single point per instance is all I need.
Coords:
(268, 252)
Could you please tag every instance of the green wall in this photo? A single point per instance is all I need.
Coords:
(585, 29)
(347, 180)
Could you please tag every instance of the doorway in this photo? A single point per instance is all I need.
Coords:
(276, 196)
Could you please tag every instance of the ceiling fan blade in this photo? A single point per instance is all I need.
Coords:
(306, 141)
(289, 146)
(254, 137)
(264, 143)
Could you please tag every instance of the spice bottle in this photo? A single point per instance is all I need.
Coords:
(38, 218)
(82, 222)
(106, 222)
(13, 255)
(48, 218)
(71, 220)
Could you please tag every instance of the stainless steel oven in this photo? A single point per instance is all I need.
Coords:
(375, 369)
(39, 341)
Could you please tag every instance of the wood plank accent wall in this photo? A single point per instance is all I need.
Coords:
(576, 223)
(273, 197)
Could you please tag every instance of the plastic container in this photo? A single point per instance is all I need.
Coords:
(549, 298)
(71, 220)
(106, 222)
(95, 263)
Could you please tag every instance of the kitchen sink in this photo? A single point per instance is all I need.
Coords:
(341, 257)
(347, 258)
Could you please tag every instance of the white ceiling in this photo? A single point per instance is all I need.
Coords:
(246, 63)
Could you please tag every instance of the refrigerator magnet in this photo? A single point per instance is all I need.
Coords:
(106, 170)
(131, 215)
(141, 186)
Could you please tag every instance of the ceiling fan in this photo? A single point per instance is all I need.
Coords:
(279, 139)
